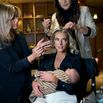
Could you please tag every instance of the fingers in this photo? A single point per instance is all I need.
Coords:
(43, 43)
(46, 44)
(37, 92)
(38, 51)
(39, 43)
(69, 25)
(36, 89)
(41, 48)
(46, 76)
(46, 23)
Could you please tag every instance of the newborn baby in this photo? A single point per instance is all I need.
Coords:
(49, 87)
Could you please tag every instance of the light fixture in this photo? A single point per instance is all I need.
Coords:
(78, 1)
(95, 16)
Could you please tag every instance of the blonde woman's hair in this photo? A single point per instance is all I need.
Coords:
(7, 13)
(53, 38)
(59, 30)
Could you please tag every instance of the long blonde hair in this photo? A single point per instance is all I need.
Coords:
(7, 13)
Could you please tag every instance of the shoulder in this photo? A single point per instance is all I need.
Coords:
(74, 56)
(54, 16)
(84, 8)
(20, 39)
(20, 36)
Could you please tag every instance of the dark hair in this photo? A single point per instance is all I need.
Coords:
(64, 16)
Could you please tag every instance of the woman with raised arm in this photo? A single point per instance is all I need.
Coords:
(70, 15)
(16, 59)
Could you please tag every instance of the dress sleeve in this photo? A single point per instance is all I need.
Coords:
(89, 22)
(69, 88)
(14, 58)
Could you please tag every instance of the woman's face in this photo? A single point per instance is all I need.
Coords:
(14, 23)
(65, 4)
(61, 42)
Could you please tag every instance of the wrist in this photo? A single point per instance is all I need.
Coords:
(88, 33)
(55, 80)
(31, 58)
(46, 30)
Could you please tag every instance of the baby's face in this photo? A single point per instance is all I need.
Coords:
(68, 71)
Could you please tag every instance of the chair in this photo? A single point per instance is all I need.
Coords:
(91, 71)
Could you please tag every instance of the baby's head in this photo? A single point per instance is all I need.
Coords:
(72, 74)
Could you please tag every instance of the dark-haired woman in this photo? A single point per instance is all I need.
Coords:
(70, 15)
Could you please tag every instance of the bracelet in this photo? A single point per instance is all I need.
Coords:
(89, 32)
(46, 31)
(78, 27)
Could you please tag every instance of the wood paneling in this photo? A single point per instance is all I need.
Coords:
(99, 44)
(94, 3)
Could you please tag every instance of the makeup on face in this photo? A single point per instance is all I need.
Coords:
(61, 42)
(65, 4)
(14, 23)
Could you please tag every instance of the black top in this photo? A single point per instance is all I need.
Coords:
(15, 71)
(46, 63)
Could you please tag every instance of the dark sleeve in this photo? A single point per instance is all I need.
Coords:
(14, 58)
(23, 45)
(19, 65)
(77, 63)
(69, 88)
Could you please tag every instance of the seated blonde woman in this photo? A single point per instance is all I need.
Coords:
(60, 70)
